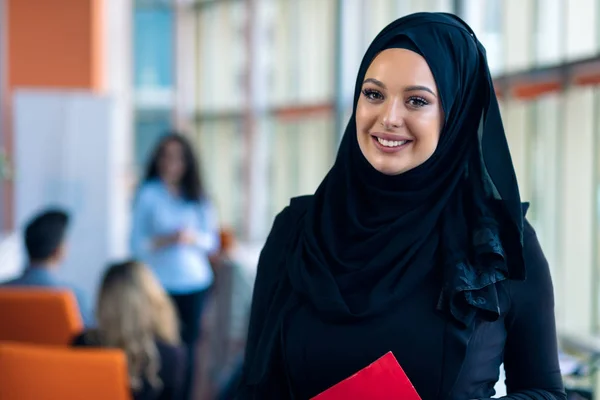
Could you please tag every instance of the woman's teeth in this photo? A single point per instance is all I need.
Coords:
(391, 143)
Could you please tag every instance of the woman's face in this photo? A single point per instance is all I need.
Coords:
(399, 115)
(171, 163)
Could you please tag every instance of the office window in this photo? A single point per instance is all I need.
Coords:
(582, 30)
(291, 67)
(517, 27)
(544, 152)
(516, 118)
(153, 79)
(485, 18)
(219, 144)
(491, 35)
(596, 215)
(575, 292)
(302, 52)
(429, 5)
(153, 57)
(221, 56)
(153, 47)
(285, 54)
(377, 14)
(549, 31)
(220, 101)
(302, 153)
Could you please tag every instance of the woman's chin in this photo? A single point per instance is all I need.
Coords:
(389, 167)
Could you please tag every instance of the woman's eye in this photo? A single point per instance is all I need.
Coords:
(417, 102)
(372, 94)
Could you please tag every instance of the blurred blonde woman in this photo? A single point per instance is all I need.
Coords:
(135, 314)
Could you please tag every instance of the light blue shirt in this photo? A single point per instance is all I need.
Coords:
(181, 268)
(40, 276)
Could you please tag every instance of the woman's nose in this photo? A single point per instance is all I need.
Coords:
(393, 117)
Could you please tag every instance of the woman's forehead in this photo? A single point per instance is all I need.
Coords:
(399, 62)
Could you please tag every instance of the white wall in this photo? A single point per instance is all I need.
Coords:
(66, 154)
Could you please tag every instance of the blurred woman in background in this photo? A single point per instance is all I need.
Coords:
(175, 231)
(135, 314)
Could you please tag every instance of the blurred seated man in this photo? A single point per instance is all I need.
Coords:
(45, 242)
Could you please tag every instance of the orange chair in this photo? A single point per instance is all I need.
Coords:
(34, 372)
(37, 315)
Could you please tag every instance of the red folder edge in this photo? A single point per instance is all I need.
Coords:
(384, 379)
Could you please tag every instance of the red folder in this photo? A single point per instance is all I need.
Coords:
(382, 380)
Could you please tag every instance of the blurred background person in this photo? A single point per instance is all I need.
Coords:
(46, 245)
(175, 231)
(135, 315)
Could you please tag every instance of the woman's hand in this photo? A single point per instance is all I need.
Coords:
(160, 242)
(183, 236)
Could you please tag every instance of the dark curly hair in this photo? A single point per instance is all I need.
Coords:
(191, 184)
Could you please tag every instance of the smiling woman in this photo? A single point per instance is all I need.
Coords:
(398, 116)
(414, 243)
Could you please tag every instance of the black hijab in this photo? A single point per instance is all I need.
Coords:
(368, 237)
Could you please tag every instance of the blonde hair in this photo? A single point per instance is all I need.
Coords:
(134, 311)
